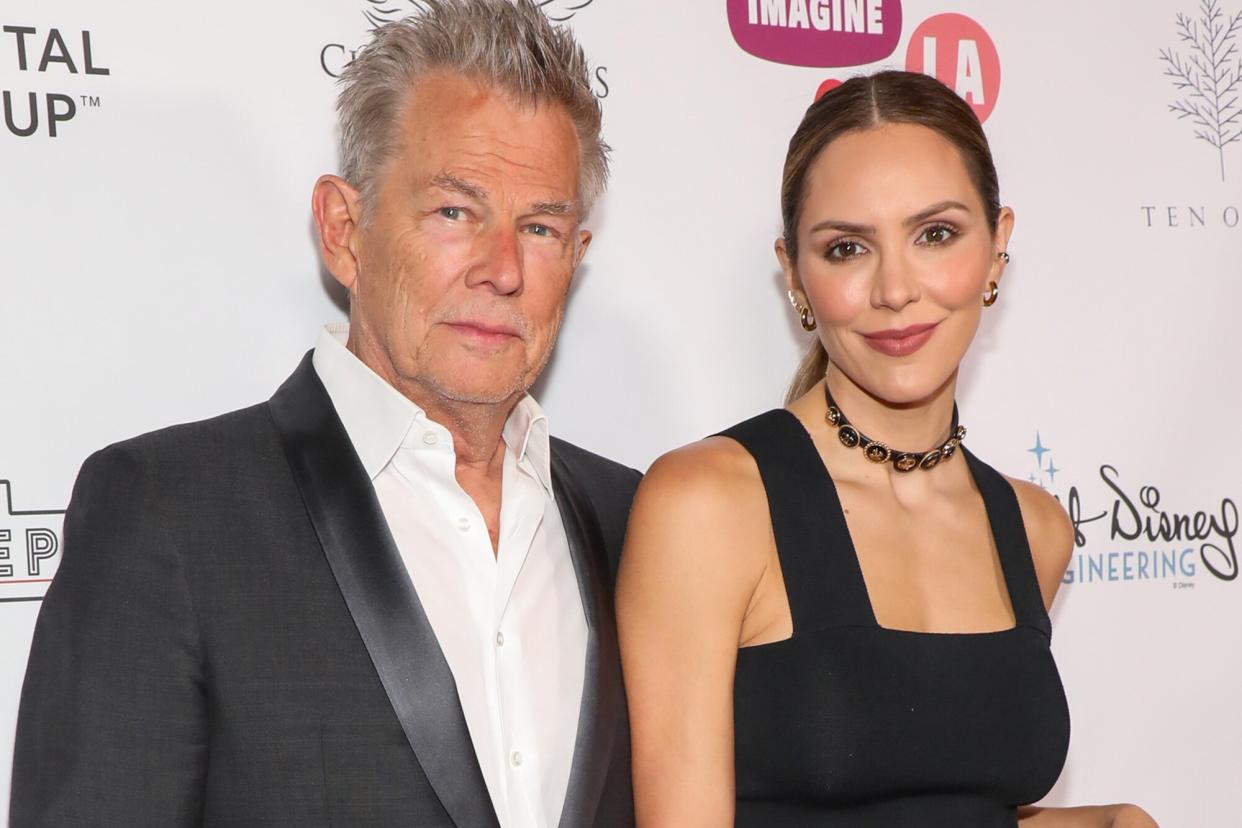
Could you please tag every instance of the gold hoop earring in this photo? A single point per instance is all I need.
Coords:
(806, 318)
(989, 298)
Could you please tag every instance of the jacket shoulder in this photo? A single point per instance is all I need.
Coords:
(596, 471)
(220, 443)
(609, 486)
(168, 471)
(232, 430)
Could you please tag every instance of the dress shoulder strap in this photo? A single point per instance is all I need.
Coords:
(823, 581)
(1009, 531)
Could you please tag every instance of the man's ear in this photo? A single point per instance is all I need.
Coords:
(338, 213)
(584, 241)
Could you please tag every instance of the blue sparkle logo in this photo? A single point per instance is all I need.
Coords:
(1037, 476)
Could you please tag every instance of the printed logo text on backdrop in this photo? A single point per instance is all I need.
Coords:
(816, 33)
(1125, 531)
(958, 52)
(30, 544)
(334, 57)
(1205, 69)
(67, 55)
(951, 47)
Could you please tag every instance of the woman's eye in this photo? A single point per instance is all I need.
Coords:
(452, 213)
(843, 250)
(937, 234)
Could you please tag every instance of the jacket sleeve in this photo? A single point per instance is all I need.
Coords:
(112, 728)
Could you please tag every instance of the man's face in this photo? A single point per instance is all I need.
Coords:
(467, 253)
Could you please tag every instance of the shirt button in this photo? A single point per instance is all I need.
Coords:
(516, 759)
(500, 639)
(430, 438)
(463, 523)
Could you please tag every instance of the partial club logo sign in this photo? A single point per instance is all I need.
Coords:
(1128, 531)
(817, 33)
(55, 55)
(30, 544)
(334, 57)
(958, 52)
(561, 11)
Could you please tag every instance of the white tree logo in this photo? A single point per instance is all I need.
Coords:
(1209, 74)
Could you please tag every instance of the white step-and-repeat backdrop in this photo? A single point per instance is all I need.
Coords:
(156, 162)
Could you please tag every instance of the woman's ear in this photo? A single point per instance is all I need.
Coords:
(1004, 230)
(792, 283)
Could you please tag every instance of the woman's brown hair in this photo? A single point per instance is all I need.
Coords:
(865, 102)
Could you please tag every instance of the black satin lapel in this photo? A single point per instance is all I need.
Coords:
(372, 577)
(602, 694)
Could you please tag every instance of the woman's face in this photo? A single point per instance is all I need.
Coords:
(894, 257)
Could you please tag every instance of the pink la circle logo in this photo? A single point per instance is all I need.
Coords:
(959, 53)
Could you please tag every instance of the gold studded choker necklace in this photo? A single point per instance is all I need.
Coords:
(877, 452)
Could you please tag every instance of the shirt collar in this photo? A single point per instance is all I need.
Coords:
(380, 420)
(376, 416)
(526, 434)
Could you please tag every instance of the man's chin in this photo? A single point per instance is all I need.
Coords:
(492, 389)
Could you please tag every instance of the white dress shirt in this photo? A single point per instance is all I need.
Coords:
(510, 623)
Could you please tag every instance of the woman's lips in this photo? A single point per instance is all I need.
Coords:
(901, 342)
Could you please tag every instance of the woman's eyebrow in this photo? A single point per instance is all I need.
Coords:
(867, 229)
(923, 215)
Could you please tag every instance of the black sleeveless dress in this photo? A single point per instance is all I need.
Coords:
(851, 724)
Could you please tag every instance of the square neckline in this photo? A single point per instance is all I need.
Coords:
(856, 564)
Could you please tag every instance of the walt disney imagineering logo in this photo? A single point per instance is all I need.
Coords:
(1208, 75)
(30, 543)
(1149, 542)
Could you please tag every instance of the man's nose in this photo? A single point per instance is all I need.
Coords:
(500, 265)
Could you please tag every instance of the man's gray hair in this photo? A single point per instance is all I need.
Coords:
(505, 43)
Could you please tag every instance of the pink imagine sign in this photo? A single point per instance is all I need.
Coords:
(819, 33)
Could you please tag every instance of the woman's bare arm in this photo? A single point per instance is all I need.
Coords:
(696, 547)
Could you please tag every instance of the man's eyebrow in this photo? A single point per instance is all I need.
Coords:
(554, 208)
(866, 229)
(450, 182)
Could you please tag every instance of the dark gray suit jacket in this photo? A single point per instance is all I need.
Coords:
(232, 639)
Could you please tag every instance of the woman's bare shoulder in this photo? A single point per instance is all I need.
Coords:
(1049, 533)
(714, 469)
(699, 503)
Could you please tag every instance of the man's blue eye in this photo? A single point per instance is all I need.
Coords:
(451, 213)
(540, 229)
